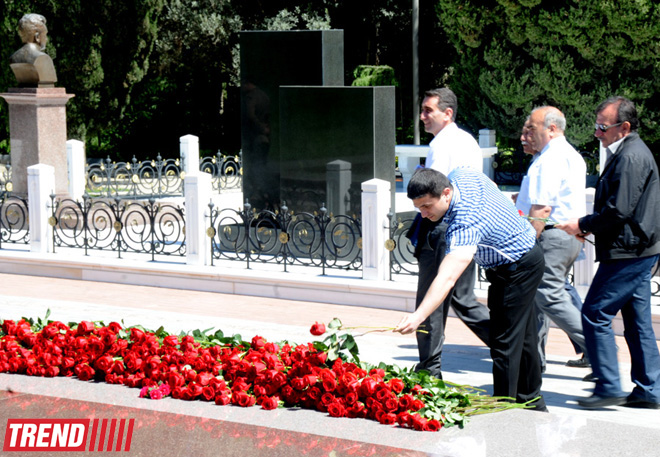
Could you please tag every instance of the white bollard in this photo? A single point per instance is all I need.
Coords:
(41, 184)
(376, 201)
(197, 188)
(189, 152)
(75, 157)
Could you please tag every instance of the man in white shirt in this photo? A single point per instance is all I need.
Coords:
(451, 148)
(552, 192)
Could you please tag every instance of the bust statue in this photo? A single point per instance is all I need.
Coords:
(31, 66)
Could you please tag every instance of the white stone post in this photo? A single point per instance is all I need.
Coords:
(488, 147)
(585, 268)
(338, 183)
(189, 152)
(197, 188)
(75, 157)
(376, 200)
(408, 157)
(41, 184)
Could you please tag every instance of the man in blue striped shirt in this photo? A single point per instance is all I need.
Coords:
(484, 225)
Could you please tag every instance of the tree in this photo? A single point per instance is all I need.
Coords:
(514, 55)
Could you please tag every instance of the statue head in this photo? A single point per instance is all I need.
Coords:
(32, 29)
(30, 64)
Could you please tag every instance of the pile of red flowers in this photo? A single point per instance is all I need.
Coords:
(222, 370)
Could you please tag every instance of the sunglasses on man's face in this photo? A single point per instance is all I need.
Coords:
(605, 128)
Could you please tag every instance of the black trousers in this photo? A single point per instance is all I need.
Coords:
(514, 333)
(462, 299)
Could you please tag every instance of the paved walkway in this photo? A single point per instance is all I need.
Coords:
(173, 427)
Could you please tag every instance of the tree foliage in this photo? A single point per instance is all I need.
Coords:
(514, 55)
(145, 72)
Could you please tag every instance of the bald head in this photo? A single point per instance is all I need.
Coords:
(546, 123)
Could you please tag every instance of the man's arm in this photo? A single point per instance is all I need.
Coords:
(451, 268)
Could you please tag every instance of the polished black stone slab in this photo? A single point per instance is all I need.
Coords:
(270, 59)
(335, 138)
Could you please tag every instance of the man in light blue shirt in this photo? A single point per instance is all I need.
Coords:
(483, 224)
(553, 191)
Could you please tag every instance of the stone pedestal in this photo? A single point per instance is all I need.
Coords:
(37, 132)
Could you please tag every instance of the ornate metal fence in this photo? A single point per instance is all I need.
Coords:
(402, 259)
(314, 239)
(6, 185)
(121, 226)
(158, 178)
(226, 171)
(14, 223)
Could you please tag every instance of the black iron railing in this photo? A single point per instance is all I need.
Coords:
(122, 226)
(14, 221)
(281, 237)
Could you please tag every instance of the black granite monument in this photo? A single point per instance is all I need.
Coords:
(270, 60)
(331, 140)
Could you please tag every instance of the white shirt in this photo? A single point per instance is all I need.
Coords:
(556, 178)
(452, 148)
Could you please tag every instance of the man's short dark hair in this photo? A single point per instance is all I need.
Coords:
(427, 181)
(446, 99)
(626, 111)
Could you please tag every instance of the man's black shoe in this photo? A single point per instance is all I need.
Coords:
(590, 378)
(597, 402)
(634, 402)
(582, 362)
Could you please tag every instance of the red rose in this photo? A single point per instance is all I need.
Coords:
(208, 393)
(258, 342)
(404, 419)
(270, 402)
(222, 398)
(84, 371)
(387, 418)
(104, 363)
(317, 329)
(397, 385)
(85, 327)
(336, 409)
(419, 422)
(171, 340)
(433, 425)
(137, 335)
(243, 399)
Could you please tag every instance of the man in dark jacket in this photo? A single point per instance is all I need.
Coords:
(626, 226)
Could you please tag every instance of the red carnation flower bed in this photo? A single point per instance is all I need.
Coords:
(227, 370)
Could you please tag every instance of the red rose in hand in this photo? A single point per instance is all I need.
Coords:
(317, 329)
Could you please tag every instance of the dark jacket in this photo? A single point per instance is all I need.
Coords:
(626, 217)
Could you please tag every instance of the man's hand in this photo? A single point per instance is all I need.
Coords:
(572, 227)
(408, 324)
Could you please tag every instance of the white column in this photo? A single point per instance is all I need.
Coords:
(197, 188)
(41, 184)
(338, 183)
(189, 152)
(376, 202)
(75, 157)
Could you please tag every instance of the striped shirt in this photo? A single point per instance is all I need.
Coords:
(481, 218)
